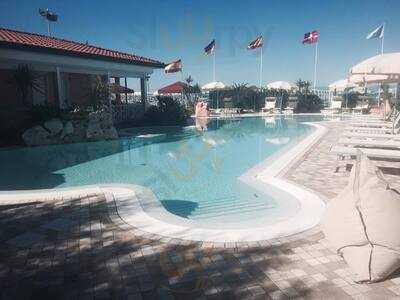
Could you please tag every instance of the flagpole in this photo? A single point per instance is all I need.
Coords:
(261, 65)
(315, 65)
(215, 51)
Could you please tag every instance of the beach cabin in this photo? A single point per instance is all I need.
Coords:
(64, 70)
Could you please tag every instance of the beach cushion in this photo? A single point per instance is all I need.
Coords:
(363, 223)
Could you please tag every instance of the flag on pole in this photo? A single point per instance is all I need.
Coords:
(257, 43)
(173, 67)
(210, 48)
(377, 33)
(311, 37)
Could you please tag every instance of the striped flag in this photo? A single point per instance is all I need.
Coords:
(173, 67)
(311, 37)
(257, 43)
(210, 48)
(377, 33)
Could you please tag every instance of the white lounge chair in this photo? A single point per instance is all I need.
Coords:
(270, 103)
(372, 153)
(383, 129)
(370, 130)
(362, 105)
(391, 144)
(336, 107)
(392, 121)
(291, 105)
(377, 136)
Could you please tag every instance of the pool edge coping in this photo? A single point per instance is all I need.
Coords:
(270, 174)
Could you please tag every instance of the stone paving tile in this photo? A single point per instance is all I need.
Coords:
(78, 248)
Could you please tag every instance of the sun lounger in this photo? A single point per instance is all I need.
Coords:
(391, 144)
(370, 130)
(374, 123)
(336, 107)
(270, 103)
(291, 105)
(372, 153)
(361, 135)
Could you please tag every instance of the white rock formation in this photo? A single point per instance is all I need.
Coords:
(54, 126)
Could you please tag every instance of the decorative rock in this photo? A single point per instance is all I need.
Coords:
(68, 129)
(94, 131)
(54, 126)
(110, 133)
(36, 136)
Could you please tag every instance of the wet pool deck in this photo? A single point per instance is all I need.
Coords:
(78, 248)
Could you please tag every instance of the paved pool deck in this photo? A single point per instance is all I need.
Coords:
(77, 247)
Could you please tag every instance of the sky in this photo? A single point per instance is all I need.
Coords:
(167, 30)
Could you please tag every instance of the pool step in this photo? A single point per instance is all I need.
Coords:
(211, 209)
(231, 211)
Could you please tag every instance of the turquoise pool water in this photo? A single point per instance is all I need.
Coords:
(193, 173)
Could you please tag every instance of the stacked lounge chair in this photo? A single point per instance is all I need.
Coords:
(291, 105)
(376, 139)
(335, 108)
(270, 105)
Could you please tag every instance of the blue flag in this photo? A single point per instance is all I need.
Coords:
(377, 33)
(209, 49)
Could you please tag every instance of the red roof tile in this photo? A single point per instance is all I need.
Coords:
(174, 88)
(32, 41)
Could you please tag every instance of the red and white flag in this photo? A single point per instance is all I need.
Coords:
(257, 43)
(311, 37)
(173, 67)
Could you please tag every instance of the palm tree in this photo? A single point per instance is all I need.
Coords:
(303, 86)
(189, 80)
(27, 82)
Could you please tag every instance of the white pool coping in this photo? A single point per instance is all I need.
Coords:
(137, 205)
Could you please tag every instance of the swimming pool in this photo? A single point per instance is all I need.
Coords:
(194, 174)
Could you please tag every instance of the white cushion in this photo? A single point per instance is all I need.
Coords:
(363, 223)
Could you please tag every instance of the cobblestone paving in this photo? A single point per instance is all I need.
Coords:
(76, 248)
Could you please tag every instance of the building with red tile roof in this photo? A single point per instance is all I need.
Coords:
(64, 69)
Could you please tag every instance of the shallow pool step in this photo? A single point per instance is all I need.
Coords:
(211, 211)
(229, 212)
(223, 207)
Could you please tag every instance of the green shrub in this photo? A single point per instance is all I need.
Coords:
(309, 103)
(167, 112)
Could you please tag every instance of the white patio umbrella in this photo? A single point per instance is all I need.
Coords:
(214, 86)
(386, 64)
(360, 79)
(280, 85)
(341, 85)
